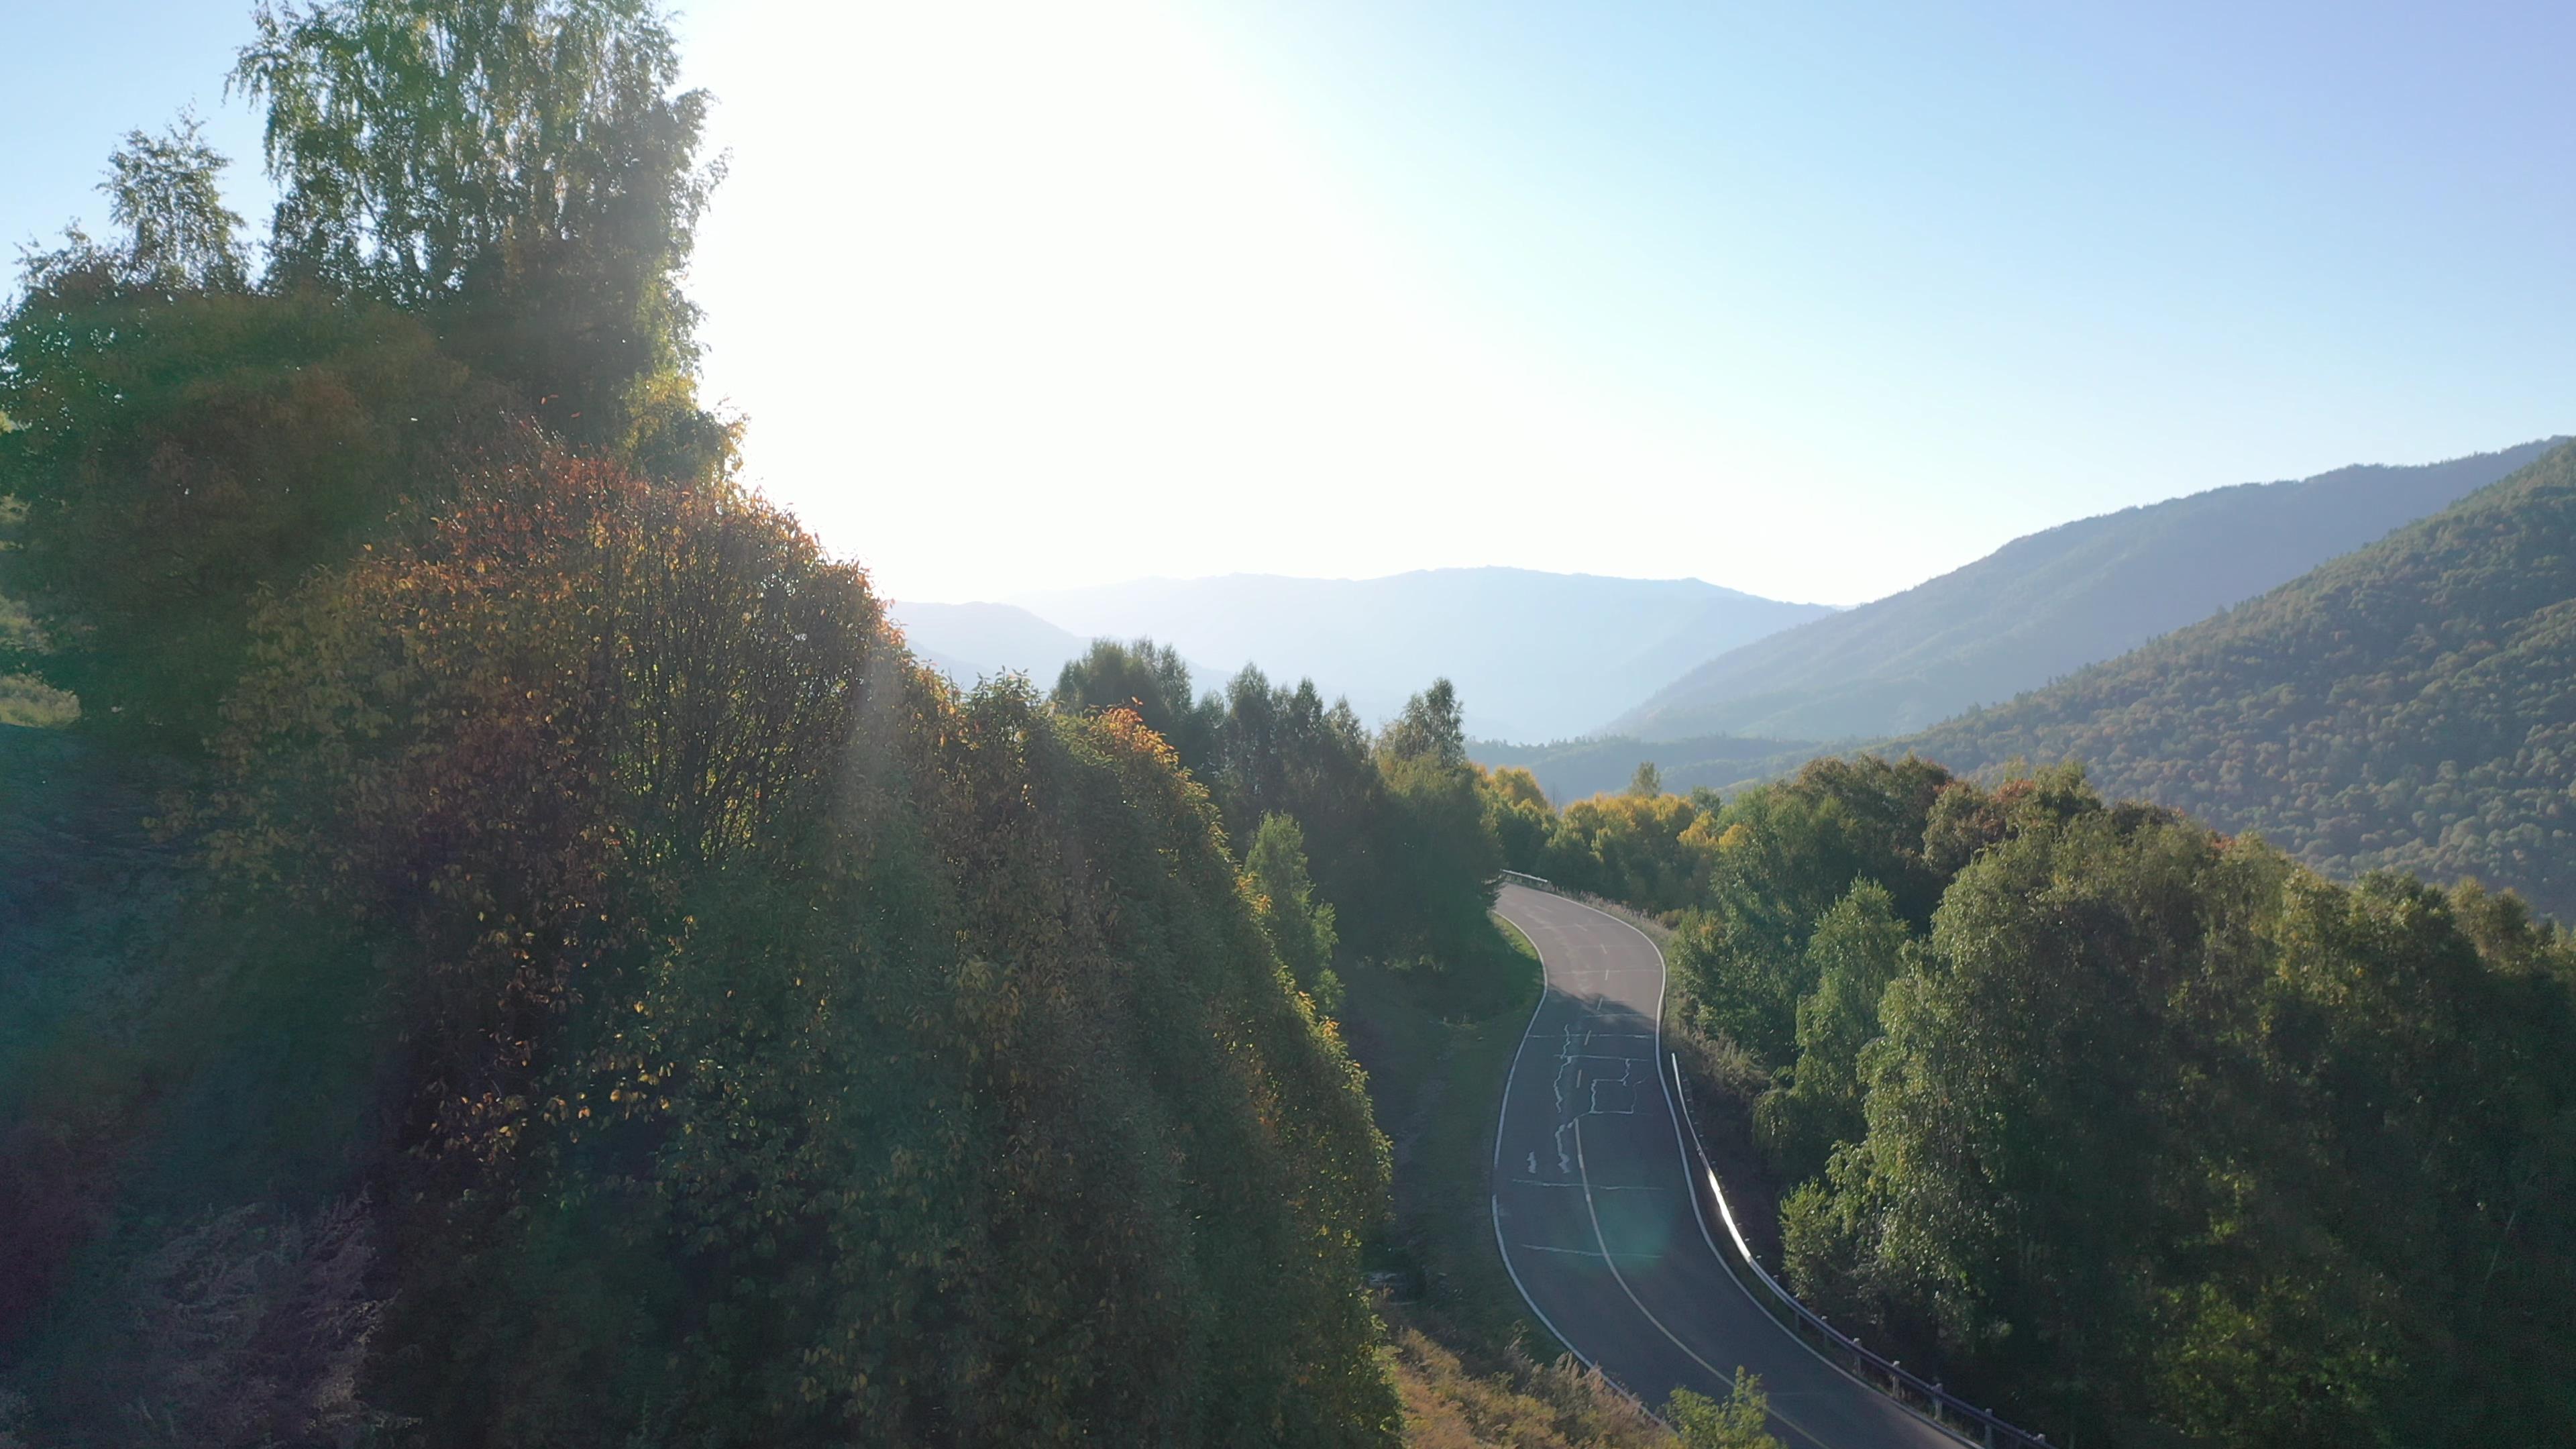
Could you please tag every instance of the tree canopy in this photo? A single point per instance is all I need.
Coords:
(581, 983)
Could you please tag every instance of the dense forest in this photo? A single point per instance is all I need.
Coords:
(2133, 1128)
(506, 946)
(2045, 605)
(2409, 706)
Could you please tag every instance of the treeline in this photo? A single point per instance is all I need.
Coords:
(1642, 846)
(2135, 1128)
(587, 985)
(1395, 823)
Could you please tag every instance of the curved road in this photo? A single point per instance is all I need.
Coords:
(1593, 1206)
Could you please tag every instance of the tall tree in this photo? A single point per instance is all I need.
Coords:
(1300, 926)
(1442, 854)
(1151, 679)
(524, 172)
(164, 191)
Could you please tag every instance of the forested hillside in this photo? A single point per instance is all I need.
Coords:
(1570, 770)
(2046, 605)
(514, 952)
(2410, 706)
(2143, 1134)
(1537, 656)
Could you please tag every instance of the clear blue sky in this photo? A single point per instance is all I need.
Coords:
(1814, 300)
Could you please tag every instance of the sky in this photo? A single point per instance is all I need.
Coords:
(1811, 300)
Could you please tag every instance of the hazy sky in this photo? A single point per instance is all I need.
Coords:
(1811, 300)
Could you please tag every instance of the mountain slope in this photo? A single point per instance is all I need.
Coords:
(2047, 604)
(968, 642)
(1534, 655)
(1573, 769)
(2410, 706)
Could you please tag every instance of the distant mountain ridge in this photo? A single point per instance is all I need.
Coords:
(2047, 604)
(1534, 655)
(968, 642)
(2408, 706)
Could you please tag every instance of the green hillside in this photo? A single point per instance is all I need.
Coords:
(511, 950)
(2046, 605)
(2408, 706)
(1570, 770)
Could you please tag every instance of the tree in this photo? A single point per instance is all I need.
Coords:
(177, 453)
(1151, 679)
(163, 191)
(1648, 782)
(1441, 857)
(1783, 855)
(1742, 1422)
(521, 172)
(1300, 926)
(658, 843)
(1856, 950)
(1429, 728)
(1518, 812)
(1641, 849)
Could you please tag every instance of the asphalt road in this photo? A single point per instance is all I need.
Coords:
(1593, 1208)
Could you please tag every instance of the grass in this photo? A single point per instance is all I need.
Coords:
(1436, 1046)
(1526, 1405)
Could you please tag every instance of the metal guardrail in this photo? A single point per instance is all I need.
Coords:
(1945, 1410)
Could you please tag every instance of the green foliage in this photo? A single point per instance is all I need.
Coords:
(164, 191)
(1299, 926)
(1782, 856)
(520, 172)
(1429, 730)
(178, 453)
(607, 993)
(1857, 948)
(1149, 679)
(778, 1028)
(1602, 764)
(1403, 845)
(2162, 1127)
(1650, 850)
(2405, 707)
(1433, 1053)
(1439, 851)
(1742, 1422)
(1518, 812)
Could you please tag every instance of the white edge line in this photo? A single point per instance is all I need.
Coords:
(1713, 1371)
(1683, 1151)
(1737, 1279)
(1502, 1114)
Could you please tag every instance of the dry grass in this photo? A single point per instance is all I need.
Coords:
(1526, 1405)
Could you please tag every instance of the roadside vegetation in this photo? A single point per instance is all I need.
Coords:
(2132, 1128)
